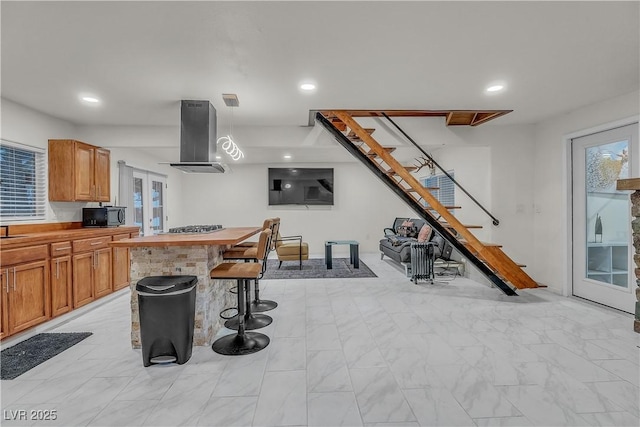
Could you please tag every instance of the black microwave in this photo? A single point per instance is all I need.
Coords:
(106, 216)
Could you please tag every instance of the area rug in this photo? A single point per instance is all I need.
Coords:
(315, 268)
(30, 353)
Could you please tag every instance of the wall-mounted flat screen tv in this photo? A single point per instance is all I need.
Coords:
(300, 186)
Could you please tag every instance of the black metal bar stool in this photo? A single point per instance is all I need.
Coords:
(243, 342)
(249, 253)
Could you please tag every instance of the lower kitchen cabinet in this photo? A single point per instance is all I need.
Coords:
(83, 279)
(91, 276)
(102, 275)
(121, 265)
(61, 290)
(4, 312)
(28, 295)
(50, 278)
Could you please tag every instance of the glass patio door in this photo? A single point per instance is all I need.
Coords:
(149, 199)
(602, 249)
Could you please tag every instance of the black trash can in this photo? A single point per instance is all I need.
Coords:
(167, 306)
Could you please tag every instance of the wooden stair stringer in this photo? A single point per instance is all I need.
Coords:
(496, 259)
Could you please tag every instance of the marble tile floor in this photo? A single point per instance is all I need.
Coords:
(357, 352)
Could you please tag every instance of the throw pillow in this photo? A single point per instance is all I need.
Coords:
(424, 234)
(405, 228)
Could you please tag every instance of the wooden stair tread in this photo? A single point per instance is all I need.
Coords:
(468, 226)
(408, 169)
(446, 207)
(354, 137)
(427, 188)
(487, 244)
(387, 149)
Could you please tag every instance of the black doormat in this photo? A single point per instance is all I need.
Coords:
(30, 353)
(315, 268)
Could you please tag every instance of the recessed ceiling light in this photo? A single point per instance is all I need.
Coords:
(494, 88)
(90, 99)
(287, 156)
(218, 157)
(307, 86)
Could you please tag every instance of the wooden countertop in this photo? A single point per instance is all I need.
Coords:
(27, 239)
(628, 184)
(227, 236)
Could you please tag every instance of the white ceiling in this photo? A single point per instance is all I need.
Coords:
(142, 58)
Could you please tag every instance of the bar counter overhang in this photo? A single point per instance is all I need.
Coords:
(186, 254)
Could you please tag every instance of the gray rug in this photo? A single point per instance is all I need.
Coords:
(316, 268)
(30, 353)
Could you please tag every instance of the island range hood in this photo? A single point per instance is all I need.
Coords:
(198, 136)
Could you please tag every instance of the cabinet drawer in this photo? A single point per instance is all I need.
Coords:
(85, 245)
(60, 248)
(18, 256)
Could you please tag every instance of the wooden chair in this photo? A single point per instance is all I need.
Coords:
(243, 272)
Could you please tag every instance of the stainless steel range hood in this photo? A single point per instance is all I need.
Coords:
(198, 134)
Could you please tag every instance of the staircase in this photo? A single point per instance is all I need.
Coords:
(489, 258)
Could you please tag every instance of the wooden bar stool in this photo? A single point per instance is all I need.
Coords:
(249, 253)
(243, 342)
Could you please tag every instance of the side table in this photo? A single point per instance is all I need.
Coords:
(353, 252)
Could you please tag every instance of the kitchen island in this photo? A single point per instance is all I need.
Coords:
(193, 254)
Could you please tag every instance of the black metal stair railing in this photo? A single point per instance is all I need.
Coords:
(417, 207)
(494, 220)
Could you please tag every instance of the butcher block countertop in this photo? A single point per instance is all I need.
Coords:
(226, 236)
(21, 239)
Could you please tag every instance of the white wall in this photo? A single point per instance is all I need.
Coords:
(363, 205)
(30, 127)
(551, 225)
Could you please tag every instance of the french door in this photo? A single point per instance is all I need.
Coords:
(149, 201)
(602, 243)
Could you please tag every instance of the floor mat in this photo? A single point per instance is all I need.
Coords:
(30, 353)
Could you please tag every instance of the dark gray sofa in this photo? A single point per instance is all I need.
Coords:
(398, 247)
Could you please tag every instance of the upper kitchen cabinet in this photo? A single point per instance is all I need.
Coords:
(78, 172)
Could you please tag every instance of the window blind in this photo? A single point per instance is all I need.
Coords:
(22, 182)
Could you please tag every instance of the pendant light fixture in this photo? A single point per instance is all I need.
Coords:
(226, 142)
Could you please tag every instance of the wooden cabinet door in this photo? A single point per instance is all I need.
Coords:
(61, 292)
(61, 170)
(84, 172)
(29, 300)
(102, 175)
(102, 278)
(82, 279)
(4, 312)
(121, 265)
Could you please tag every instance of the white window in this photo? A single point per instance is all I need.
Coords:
(22, 182)
(445, 192)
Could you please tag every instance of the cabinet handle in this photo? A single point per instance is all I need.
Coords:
(96, 243)
(63, 249)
